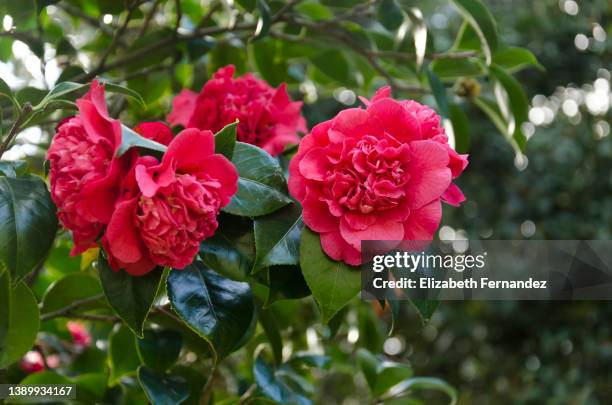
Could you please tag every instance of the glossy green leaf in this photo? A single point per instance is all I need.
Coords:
(390, 14)
(130, 297)
(116, 88)
(452, 69)
(60, 89)
(271, 329)
(218, 309)
(334, 64)
(492, 111)
(160, 348)
(265, 20)
(389, 374)
(518, 104)
(277, 238)
(480, 18)
(285, 282)
(310, 360)
(314, 10)
(274, 387)
(261, 184)
(225, 140)
(467, 39)
(27, 224)
(423, 383)
(439, 92)
(122, 356)
(333, 283)
(130, 139)
(71, 288)
(196, 380)
(162, 388)
(13, 168)
(230, 251)
(23, 324)
(513, 59)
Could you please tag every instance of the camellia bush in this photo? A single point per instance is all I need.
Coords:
(188, 226)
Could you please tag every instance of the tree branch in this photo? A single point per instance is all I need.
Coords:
(67, 311)
(21, 119)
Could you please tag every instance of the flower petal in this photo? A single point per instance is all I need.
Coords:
(429, 174)
(122, 235)
(183, 107)
(336, 247)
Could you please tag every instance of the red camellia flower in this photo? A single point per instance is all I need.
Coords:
(155, 131)
(32, 362)
(83, 174)
(80, 336)
(167, 209)
(378, 173)
(268, 118)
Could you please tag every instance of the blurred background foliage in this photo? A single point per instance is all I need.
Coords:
(558, 187)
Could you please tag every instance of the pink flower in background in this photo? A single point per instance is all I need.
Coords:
(378, 173)
(169, 208)
(32, 362)
(268, 118)
(84, 176)
(80, 335)
(156, 131)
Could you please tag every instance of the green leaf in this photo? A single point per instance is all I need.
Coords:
(196, 380)
(271, 329)
(333, 64)
(5, 306)
(23, 324)
(310, 360)
(266, 57)
(274, 387)
(13, 168)
(314, 10)
(285, 282)
(130, 297)
(218, 309)
(461, 128)
(420, 383)
(130, 139)
(390, 14)
(425, 308)
(225, 140)
(230, 250)
(439, 92)
(162, 388)
(277, 238)
(264, 22)
(333, 284)
(513, 59)
(123, 359)
(89, 387)
(518, 104)
(160, 348)
(261, 185)
(31, 95)
(27, 224)
(480, 18)
(389, 374)
(368, 364)
(69, 289)
(60, 89)
(451, 69)
(116, 88)
(6, 91)
(492, 111)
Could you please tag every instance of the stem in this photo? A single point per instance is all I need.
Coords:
(207, 390)
(21, 118)
(68, 309)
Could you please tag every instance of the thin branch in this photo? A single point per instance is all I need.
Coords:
(148, 18)
(91, 317)
(77, 12)
(431, 56)
(21, 119)
(116, 38)
(208, 16)
(68, 309)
